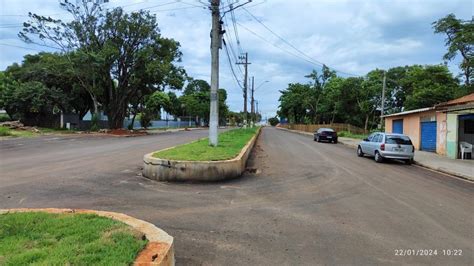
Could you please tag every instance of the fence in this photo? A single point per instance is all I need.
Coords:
(335, 126)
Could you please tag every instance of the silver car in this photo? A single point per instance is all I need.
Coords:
(387, 146)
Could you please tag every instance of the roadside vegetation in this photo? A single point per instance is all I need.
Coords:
(328, 98)
(7, 132)
(230, 145)
(348, 134)
(66, 239)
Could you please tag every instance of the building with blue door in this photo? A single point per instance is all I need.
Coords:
(441, 128)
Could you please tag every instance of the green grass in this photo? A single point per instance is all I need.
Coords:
(6, 132)
(66, 239)
(351, 135)
(230, 145)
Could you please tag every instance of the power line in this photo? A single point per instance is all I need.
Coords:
(231, 65)
(292, 46)
(22, 47)
(231, 46)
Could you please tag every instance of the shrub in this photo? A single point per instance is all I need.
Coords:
(4, 131)
(273, 121)
(145, 119)
(4, 118)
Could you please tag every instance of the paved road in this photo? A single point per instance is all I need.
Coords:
(308, 204)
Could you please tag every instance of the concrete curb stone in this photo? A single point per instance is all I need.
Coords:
(200, 171)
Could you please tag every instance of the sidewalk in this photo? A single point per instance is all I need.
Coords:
(460, 168)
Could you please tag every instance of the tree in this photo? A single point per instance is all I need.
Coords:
(459, 39)
(153, 105)
(294, 102)
(54, 71)
(31, 102)
(196, 100)
(429, 85)
(124, 53)
(273, 121)
(317, 84)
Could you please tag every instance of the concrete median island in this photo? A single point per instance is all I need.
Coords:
(73, 236)
(197, 161)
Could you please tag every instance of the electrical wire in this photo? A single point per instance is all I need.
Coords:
(309, 58)
(231, 65)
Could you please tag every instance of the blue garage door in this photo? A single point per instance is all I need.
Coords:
(428, 136)
(397, 126)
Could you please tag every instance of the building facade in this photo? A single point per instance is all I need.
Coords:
(439, 128)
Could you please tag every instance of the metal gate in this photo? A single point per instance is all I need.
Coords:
(428, 136)
(397, 126)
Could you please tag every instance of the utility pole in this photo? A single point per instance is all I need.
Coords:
(383, 97)
(252, 103)
(216, 40)
(245, 63)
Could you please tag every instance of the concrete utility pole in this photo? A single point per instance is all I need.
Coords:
(216, 40)
(383, 97)
(245, 63)
(252, 102)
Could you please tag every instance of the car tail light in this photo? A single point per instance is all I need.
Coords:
(382, 147)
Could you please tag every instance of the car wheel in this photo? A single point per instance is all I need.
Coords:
(335, 141)
(359, 152)
(317, 139)
(314, 138)
(378, 157)
(409, 161)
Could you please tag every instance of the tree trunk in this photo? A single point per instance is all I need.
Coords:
(116, 117)
(366, 122)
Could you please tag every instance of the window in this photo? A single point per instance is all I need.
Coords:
(371, 136)
(401, 140)
(377, 138)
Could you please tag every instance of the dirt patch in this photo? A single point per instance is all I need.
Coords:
(153, 252)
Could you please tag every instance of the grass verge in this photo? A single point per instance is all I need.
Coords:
(6, 132)
(66, 239)
(348, 134)
(230, 145)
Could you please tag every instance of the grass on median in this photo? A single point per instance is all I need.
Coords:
(66, 239)
(230, 145)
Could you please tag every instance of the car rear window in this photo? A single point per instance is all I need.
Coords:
(402, 140)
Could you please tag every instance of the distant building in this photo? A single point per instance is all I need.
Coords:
(439, 128)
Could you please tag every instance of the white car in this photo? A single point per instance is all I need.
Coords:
(387, 146)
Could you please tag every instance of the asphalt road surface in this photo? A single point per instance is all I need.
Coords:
(307, 203)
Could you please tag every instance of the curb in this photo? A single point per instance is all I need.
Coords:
(200, 171)
(158, 251)
(442, 170)
(351, 145)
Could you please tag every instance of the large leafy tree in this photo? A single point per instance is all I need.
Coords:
(459, 40)
(31, 102)
(429, 85)
(294, 102)
(125, 54)
(317, 85)
(55, 72)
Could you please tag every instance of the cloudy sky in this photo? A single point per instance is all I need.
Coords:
(285, 39)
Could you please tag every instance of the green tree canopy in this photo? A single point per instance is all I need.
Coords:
(125, 54)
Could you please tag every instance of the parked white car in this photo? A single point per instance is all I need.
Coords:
(387, 146)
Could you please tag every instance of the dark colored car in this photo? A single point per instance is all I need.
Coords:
(325, 134)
